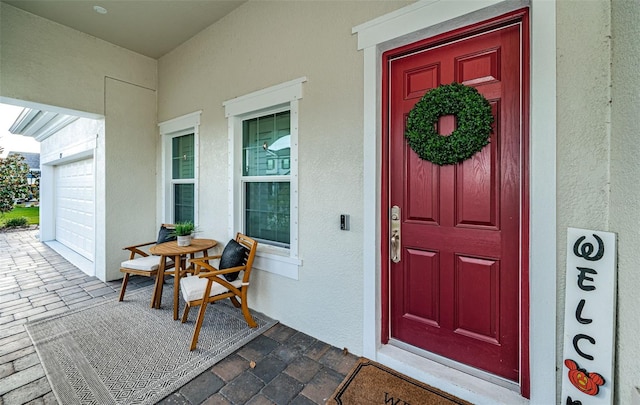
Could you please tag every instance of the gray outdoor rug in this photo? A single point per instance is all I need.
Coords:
(127, 353)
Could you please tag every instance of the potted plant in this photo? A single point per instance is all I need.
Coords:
(184, 231)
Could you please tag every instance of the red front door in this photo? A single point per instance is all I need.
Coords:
(456, 291)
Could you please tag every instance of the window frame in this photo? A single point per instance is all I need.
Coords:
(180, 126)
(282, 97)
(246, 179)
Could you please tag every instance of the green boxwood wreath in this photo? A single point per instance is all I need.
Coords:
(473, 119)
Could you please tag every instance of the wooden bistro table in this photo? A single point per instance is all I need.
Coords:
(172, 250)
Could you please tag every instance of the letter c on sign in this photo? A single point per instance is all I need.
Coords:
(579, 337)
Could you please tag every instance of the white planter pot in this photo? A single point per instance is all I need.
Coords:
(184, 240)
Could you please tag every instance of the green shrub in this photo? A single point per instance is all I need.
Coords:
(16, 222)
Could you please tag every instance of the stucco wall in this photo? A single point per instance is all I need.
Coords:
(583, 52)
(75, 141)
(259, 45)
(625, 193)
(76, 138)
(598, 106)
(45, 62)
(128, 172)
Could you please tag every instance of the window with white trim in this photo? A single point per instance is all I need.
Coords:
(266, 183)
(263, 174)
(180, 168)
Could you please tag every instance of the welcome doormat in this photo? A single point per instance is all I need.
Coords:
(128, 353)
(372, 383)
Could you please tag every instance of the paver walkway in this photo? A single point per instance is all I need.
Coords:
(36, 282)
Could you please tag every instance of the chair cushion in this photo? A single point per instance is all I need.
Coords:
(233, 255)
(193, 287)
(146, 263)
(165, 235)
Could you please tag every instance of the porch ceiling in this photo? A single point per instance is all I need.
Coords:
(151, 28)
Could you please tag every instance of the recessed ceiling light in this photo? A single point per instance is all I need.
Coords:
(100, 10)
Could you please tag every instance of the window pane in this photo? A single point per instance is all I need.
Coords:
(182, 157)
(267, 212)
(183, 197)
(266, 145)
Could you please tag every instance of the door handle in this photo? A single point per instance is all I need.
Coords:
(395, 245)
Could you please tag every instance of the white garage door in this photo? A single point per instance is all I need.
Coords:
(75, 206)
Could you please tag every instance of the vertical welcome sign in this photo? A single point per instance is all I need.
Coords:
(589, 319)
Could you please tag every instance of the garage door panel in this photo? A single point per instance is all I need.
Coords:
(75, 204)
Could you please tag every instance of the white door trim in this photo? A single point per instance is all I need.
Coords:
(407, 25)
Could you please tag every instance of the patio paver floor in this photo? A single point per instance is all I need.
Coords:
(35, 282)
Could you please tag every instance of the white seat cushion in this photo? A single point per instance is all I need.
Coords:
(193, 287)
(146, 263)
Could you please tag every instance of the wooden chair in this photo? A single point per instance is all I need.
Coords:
(217, 284)
(144, 264)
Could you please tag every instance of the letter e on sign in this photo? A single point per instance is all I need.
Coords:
(589, 317)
